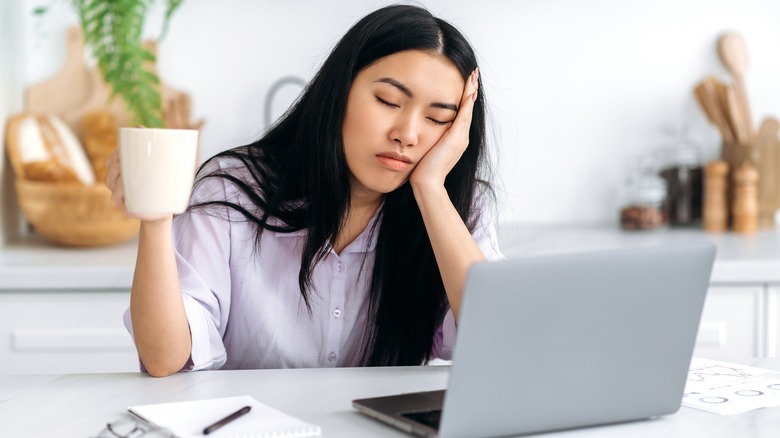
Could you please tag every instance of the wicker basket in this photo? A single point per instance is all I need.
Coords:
(74, 215)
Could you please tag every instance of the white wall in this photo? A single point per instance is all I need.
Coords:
(10, 102)
(576, 87)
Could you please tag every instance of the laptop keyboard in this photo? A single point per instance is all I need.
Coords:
(428, 418)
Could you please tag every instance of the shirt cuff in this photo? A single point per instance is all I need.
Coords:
(208, 351)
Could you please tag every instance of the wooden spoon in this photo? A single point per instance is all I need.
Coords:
(707, 97)
(733, 54)
(735, 111)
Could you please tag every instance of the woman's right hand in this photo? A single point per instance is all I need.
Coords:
(114, 183)
(159, 321)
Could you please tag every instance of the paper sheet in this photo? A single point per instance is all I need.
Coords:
(727, 388)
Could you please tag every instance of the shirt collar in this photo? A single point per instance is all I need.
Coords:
(366, 240)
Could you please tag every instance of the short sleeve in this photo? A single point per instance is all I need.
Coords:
(201, 242)
(485, 230)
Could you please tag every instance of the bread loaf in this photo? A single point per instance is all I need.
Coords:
(43, 148)
(100, 139)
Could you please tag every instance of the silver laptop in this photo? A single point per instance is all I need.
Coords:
(561, 342)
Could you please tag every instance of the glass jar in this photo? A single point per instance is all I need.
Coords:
(642, 200)
(682, 171)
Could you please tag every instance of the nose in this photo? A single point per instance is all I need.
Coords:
(405, 130)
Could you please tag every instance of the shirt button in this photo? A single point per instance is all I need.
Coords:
(332, 357)
(337, 313)
(339, 267)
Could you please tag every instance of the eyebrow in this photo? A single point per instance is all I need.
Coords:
(404, 89)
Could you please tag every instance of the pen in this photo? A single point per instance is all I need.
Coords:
(226, 420)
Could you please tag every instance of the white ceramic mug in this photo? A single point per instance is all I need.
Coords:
(158, 168)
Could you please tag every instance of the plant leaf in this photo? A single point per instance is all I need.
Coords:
(170, 8)
(114, 29)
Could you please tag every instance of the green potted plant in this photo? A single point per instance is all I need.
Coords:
(113, 29)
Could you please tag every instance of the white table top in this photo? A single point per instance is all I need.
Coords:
(79, 405)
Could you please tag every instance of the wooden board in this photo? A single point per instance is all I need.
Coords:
(77, 90)
(67, 88)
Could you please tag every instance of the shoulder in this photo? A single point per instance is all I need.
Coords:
(226, 176)
(483, 222)
(236, 162)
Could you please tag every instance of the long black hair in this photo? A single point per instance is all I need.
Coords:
(299, 176)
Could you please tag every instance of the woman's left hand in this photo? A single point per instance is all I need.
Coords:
(443, 156)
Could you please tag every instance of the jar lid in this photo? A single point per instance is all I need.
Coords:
(684, 154)
(647, 189)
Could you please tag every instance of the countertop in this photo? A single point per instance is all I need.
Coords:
(34, 264)
(81, 404)
(741, 258)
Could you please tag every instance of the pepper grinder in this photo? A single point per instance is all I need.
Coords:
(715, 212)
(744, 208)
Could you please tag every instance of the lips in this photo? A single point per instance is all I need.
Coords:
(394, 161)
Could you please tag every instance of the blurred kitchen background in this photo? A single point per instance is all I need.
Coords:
(577, 90)
(593, 120)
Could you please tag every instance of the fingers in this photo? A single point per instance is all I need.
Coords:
(114, 183)
(466, 108)
(112, 168)
(442, 157)
(118, 195)
(473, 85)
(113, 172)
(118, 199)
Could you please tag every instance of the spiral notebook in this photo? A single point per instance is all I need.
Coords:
(188, 419)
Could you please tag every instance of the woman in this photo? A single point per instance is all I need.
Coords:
(343, 236)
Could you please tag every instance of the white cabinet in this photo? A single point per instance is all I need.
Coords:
(80, 332)
(732, 325)
(741, 317)
(61, 309)
(64, 332)
(773, 321)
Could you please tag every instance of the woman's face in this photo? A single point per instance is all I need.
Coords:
(397, 109)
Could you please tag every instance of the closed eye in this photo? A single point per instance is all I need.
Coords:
(439, 122)
(384, 102)
(392, 105)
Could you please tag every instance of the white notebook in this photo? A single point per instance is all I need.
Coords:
(188, 419)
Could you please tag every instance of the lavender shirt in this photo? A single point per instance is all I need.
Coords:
(244, 306)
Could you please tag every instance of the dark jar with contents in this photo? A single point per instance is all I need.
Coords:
(642, 202)
(641, 217)
(684, 180)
